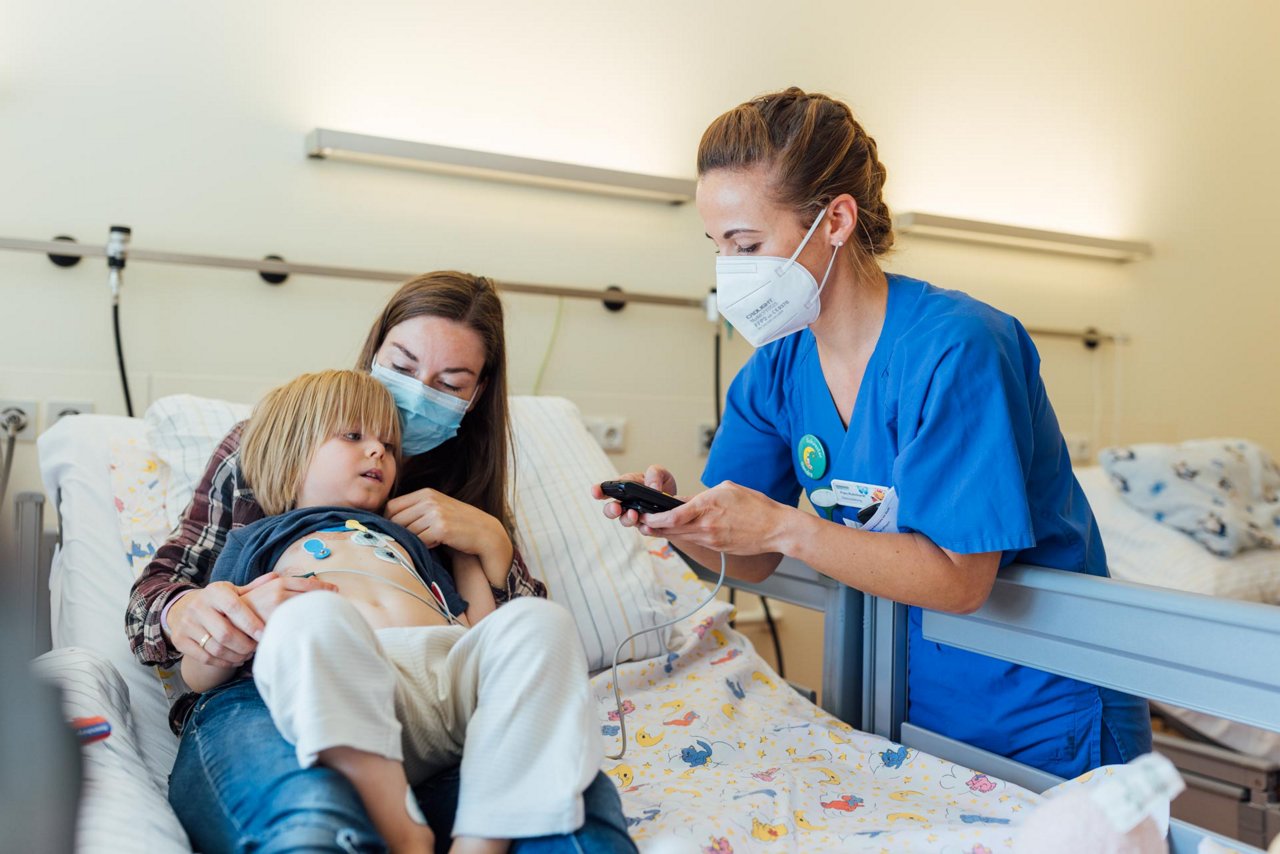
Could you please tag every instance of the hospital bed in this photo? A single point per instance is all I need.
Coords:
(724, 756)
(1228, 766)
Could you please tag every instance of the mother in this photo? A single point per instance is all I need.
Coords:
(444, 330)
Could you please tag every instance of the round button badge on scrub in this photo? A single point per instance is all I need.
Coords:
(813, 456)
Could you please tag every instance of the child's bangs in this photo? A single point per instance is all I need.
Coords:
(361, 402)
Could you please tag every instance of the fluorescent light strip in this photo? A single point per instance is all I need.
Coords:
(975, 231)
(323, 143)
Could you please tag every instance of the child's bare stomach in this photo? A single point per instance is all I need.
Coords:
(384, 606)
(348, 566)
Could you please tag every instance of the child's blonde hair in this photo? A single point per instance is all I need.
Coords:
(293, 420)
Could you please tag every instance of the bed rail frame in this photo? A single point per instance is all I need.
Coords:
(29, 584)
(1221, 657)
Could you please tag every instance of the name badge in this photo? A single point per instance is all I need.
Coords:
(850, 493)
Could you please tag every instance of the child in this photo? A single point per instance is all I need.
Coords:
(380, 678)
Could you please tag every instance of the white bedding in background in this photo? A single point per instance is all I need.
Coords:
(1222, 493)
(1143, 551)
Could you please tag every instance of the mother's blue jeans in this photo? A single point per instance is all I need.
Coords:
(236, 786)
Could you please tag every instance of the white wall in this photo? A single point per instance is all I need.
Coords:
(1145, 120)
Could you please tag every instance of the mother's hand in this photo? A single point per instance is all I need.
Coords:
(437, 520)
(231, 616)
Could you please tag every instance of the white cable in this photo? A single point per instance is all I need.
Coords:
(617, 692)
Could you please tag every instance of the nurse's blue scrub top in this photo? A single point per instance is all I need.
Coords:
(953, 415)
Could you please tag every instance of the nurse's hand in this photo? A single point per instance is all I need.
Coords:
(727, 518)
(654, 477)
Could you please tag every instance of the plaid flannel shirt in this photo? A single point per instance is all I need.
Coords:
(223, 502)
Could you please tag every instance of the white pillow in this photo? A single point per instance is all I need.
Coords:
(599, 570)
(1143, 551)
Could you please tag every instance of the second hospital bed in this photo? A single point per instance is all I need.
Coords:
(1230, 767)
(723, 755)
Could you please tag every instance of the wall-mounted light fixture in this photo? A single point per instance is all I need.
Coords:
(323, 143)
(991, 233)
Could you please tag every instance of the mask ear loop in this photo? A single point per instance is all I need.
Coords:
(803, 243)
(818, 293)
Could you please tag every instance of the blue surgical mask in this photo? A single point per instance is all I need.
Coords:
(428, 417)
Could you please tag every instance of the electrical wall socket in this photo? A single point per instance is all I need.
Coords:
(56, 410)
(28, 410)
(706, 433)
(610, 433)
(1079, 447)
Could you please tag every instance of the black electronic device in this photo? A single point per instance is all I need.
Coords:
(865, 514)
(638, 497)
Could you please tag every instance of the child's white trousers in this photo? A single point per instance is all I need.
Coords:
(509, 697)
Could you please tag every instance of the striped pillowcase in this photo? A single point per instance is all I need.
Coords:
(603, 573)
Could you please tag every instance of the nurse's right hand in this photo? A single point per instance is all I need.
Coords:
(232, 617)
(654, 477)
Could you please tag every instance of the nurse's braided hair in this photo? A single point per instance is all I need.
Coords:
(817, 151)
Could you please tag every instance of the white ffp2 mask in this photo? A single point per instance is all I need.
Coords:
(766, 297)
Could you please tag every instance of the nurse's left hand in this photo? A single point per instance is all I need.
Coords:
(727, 518)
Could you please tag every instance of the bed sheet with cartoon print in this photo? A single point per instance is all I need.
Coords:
(725, 758)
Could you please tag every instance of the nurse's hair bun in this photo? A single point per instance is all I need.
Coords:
(817, 151)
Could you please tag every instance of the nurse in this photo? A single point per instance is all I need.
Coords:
(915, 415)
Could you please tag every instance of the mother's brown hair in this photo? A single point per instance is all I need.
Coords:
(472, 467)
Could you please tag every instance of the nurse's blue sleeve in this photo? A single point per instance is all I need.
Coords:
(966, 442)
(750, 448)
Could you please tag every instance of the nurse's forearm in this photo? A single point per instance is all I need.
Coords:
(907, 568)
(754, 568)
